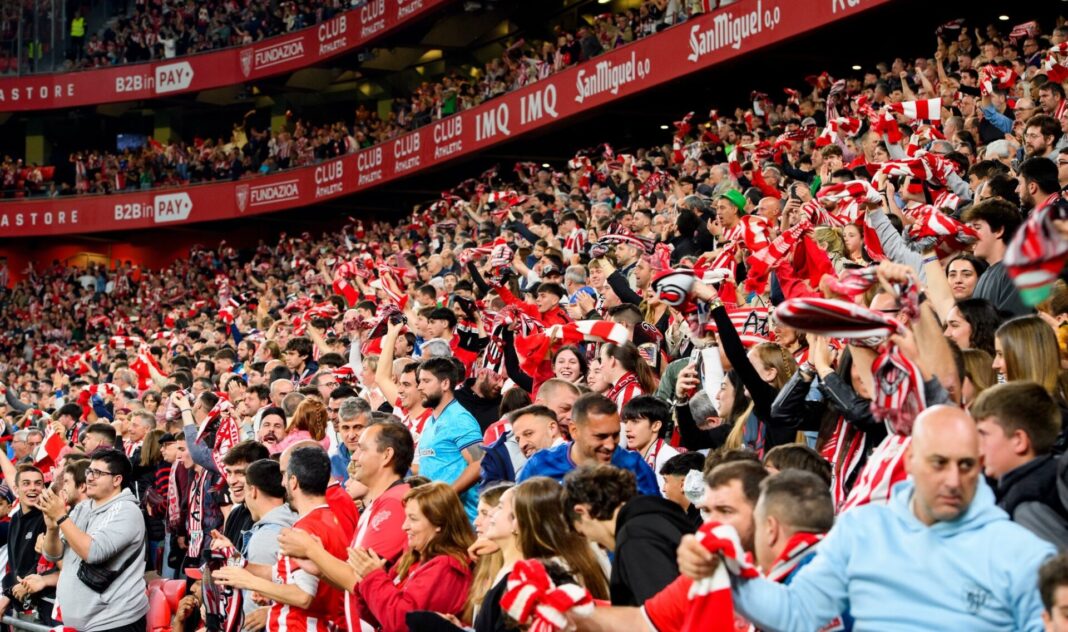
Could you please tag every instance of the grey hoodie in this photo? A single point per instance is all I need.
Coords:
(118, 532)
(263, 542)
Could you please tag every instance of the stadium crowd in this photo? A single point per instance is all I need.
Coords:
(802, 368)
(253, 149)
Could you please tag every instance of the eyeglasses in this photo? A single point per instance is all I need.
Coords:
(91, 473)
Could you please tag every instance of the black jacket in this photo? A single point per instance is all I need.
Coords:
(237, 523)
(22, 558)
(1029, 495)
(485, 411)
(648, 531)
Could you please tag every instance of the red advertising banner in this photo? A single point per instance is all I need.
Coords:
(683, 49)
(284, 53)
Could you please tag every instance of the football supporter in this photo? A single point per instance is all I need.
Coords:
(781, 275)
(301, 601)
(595, 440)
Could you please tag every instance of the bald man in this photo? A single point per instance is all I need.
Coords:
(941, 555)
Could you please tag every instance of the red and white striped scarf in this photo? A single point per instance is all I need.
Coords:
(533, 600)
(843, 124)
(711, 606)
(947, 199)
(798, 547)
(762, 262)
(1036, 254)
(915, 169)
(898, 395)
(575, 242)
(624, 390)
(993, 77)
(752, 230)
(932, 227)
(195, 520)
(1056, 64)
(856, 190)
(884, 469)
(538, 346)
(844, 457)
(923, 109)
(222, 603)
(174, 509)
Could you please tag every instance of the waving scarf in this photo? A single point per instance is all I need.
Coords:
(539, 346)
(1037, 254)
(533, 600)
(898, 384)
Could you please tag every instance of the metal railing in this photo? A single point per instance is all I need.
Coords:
(38, 41)
(20, 624)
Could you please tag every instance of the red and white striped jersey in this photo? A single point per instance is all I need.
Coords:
(575, 242)
(325, 613)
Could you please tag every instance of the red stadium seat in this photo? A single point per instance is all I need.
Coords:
(174, 590)
(159, 610)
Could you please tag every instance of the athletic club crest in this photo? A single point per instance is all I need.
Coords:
(241, 192)
(246, 61)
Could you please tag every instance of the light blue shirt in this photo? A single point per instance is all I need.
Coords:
(892, 572)
(444, 439)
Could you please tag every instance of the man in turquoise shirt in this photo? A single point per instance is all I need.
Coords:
(450, 448)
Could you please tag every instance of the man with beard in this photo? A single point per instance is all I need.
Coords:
(235, 462)
(383, 459)
(1039, 186)
(481, 396)
(1040, 137)
(403, 394)
(450, 448)
(107, 529)
(533, 428)
(272, 428)
(256, 399)
(26, 524)
(301, 600)
(594, 439)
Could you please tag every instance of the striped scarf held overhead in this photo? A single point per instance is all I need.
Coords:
(1056, 65)
(762, 262)
(843, 124)
(575, 242)
(538, 347)
(1037, 253)
(923, 109)
(933, 228)
(897, 396)
(992, 77)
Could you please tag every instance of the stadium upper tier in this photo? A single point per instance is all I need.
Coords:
(680, 50)
(289, 47)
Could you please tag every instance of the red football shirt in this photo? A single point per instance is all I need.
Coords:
(324, 612)
(344, 510)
